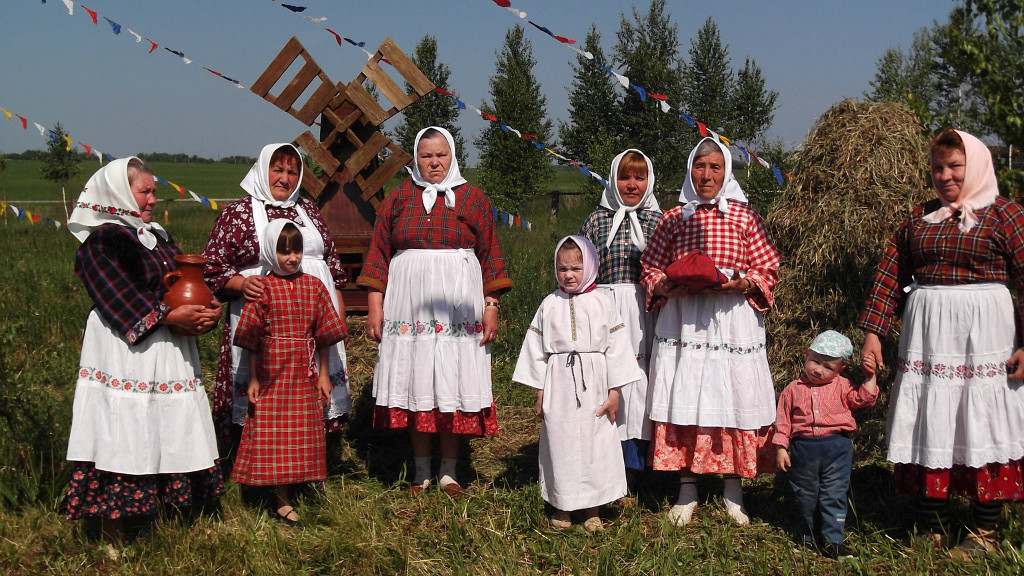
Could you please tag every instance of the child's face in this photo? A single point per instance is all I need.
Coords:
(289, 261)
(821, 369)
(632, 187)
(569, 269)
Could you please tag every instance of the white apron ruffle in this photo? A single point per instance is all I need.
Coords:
(710, 366)
(140, 409)
(430, 354)
(630, 301)
(952, 402)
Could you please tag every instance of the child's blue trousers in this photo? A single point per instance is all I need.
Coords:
(820, 477)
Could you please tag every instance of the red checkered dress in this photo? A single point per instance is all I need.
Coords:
(283, 438)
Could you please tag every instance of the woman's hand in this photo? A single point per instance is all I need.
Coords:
(736, 285)
(254, 390)
(193, 318)
(540, 403)
(782, 458)
(871, 354)
(252, 287)
(217, 310)
(1017, 365)
(490, 322)
(666, 288)
(374, 314)
(610, 406)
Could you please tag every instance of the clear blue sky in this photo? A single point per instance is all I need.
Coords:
(110, 93)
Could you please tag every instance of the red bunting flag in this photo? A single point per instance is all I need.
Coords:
(24, 123)
(565, 40)
(525, 135)
(444, 92)
(337, 37)
(503, 3)
(88, 150)
(92, 14)
(152, 45)
(35, 217)
(703, 129)
(787, 174)
(657, 96)
(490, 117)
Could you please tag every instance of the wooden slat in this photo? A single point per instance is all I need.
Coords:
(318, 152)
(316, 103)
(361, 98)
(384, 172)
(401, 63)
(311, 184)
(365, 154)
(298, 85)
(387, 87)
(277, 67)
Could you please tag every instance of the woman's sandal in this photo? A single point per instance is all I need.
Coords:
(561, 521)
(289, 516)
(593, 524)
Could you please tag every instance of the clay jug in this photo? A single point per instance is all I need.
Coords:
(189, 288)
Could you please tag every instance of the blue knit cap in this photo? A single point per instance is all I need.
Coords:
(832, 344)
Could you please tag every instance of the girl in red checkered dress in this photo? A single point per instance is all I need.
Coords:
(711, 397)
(288, 330)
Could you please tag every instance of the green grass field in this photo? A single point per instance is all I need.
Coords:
(365, 523)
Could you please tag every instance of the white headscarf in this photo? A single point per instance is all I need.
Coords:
(590, 263)
(268, 244)
(979, 189)
(451, 180)
(257, 181)
(107, 199)
(612, 200)
(730, 187)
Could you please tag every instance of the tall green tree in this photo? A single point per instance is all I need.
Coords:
(984, 40)
(511, 168)
(709, 79)
(61, 160)
(589, 135)
(647, 52)
(752, 106)
(432, 109)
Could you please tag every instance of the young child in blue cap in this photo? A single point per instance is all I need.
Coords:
(813, 427)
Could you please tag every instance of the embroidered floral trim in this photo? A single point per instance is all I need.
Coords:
(537, 330)
(713, 347)
(458, 329)
(141, 386)
(950, 372)
(109, 209)
(616, 328)
(147, 322)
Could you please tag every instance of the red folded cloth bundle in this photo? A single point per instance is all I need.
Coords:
(695, 271)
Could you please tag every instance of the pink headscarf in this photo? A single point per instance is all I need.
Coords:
(979, 189)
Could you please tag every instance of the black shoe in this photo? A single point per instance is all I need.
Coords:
(836, 552)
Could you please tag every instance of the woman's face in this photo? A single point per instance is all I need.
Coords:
(632, 187)
(284, 177)
(144, 191)
(707, 174)
(433, 158)
(948, 168)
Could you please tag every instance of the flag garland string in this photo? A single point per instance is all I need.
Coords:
(51, 136)
(661, 99)
(32, 218)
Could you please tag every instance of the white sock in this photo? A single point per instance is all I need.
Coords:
(447, 471)
(687, 492)
(422, 474)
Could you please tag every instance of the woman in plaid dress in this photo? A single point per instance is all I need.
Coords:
(434, 272)
(620, 229)
(288, 331)
(711, 397)
(956, 410)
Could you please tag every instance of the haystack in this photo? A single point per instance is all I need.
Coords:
(862, 170)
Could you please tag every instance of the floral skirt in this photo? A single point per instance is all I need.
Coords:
(93, 492)
(704, 450)
(483, 423)
(992, 482)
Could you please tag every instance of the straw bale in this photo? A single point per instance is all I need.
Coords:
(862, 170)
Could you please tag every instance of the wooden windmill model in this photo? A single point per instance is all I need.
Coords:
(355, 159)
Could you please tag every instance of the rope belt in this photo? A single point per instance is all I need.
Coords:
(570, 363)
(310, 346)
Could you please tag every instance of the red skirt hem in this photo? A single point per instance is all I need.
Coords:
(992, 482)
(482, 423)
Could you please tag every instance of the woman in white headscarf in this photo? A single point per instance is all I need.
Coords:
(140, 428)
(434, 273)
(235, 275)
(620, 228)
(711, 398)
(956, 410)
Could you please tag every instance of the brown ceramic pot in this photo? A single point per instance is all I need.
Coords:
(189, 288)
